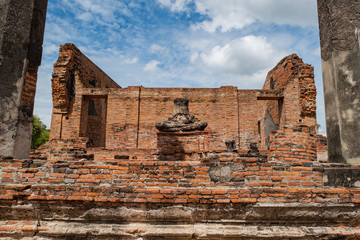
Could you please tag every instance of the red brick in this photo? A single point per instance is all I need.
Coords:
(204, 191)
(153, 190)
(244, 200)
(157, 196)
(219, 191)
(6, 197)
(87, 181)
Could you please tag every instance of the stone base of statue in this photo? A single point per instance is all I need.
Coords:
(182, 136)
(182, 145)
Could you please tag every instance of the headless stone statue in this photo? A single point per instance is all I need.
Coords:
(181, 120)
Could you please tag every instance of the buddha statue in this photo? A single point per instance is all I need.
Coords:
(181, 120)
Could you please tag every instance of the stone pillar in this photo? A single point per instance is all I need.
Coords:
(21, 36)
(339, 22)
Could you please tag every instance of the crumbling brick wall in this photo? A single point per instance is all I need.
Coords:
(134, 111)
(125, 197)
(296, 144)
(116, 118)
(73, 71)
(149, 184)
(295, 80)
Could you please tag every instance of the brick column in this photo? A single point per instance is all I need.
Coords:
(339, 22)
(21, 36)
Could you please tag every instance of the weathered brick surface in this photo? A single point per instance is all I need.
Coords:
(298, 107)
(117, 118)
(28, 93)
(258, 180)
(289, 174)
(293, 144)
(137, 109)
(107, 173)
(72, 72)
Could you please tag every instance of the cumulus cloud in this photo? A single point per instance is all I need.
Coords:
(224, 15)
(228, 15)
(245, 56)
(152, 66)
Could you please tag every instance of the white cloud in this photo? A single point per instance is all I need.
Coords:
(59, 33)
(152, 66)
(155, 48)
(194, 57)
(86, 16)
(130, 60)
(175, 5)
(50, 48)
(228, 15)
(244, 56)
(100, 11)
(225, 15)
(302, 13)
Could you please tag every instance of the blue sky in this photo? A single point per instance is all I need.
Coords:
(182, 43)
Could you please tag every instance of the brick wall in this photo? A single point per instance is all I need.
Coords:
(67, 182)
(125, 118)
(73, 71)
(133, 112)
(130, 114)
(107, 173)
(250, 179)
(295, 80)
(29, 89)
(297, 144)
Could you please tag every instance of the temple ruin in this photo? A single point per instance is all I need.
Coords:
(88, 104)
(191, 163)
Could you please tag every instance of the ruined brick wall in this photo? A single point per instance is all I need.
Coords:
(295, 80)
(73, 71)
(117, 118)
(293, 144)
(154, 185)
(250, 179)
(129, 198)
(248, 110)
(133, 112)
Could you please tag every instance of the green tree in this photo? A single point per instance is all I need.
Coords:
(39, 134)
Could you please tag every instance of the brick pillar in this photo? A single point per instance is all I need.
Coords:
(21, 36)
(296, 144)
(339, 22)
